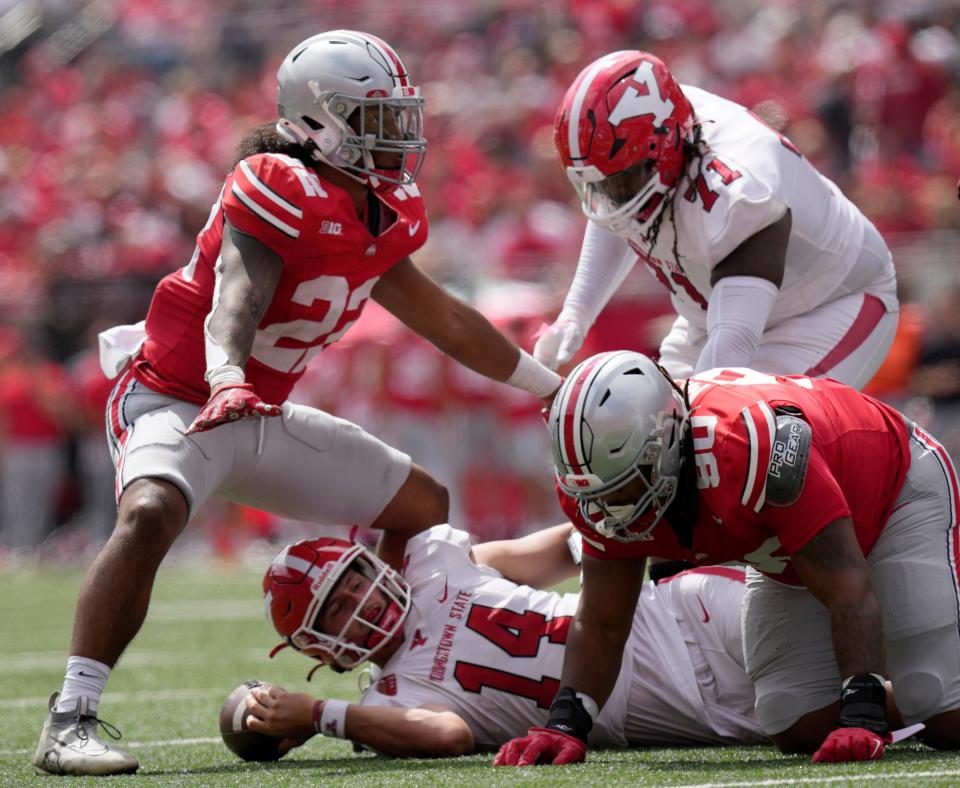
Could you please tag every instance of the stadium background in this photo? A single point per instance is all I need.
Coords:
(118, 122)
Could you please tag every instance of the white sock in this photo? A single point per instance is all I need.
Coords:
(85, 678)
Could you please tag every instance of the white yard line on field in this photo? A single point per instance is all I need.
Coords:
(119, 697)
(135, 744)
(859, 778)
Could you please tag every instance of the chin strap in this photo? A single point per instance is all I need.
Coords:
(281, 646)
(277, 649)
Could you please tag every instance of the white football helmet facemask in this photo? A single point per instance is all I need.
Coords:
(347, 98)
(617, 419)
(300, 581)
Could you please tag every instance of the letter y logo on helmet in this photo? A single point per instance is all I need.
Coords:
(633, 103)
(620, 132)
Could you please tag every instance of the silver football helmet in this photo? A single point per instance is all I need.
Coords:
(347, 98)
(617, 419)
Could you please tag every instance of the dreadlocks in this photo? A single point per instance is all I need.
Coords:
(695, 149)
(681, 515)
(266, 139)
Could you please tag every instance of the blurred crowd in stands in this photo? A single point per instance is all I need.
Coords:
(119, 120)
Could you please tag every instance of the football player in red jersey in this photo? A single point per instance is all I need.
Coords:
(846, 512)
(320, 214)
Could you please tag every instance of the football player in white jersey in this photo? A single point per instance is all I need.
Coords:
(470, 652)
(768, 265)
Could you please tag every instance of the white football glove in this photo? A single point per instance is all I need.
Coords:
(559, 342)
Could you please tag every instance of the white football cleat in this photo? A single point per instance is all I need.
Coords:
(69, 744)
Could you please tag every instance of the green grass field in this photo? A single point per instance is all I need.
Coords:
(206, 633)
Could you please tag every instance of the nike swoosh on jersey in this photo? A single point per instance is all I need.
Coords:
(412, 229)
(443, 596)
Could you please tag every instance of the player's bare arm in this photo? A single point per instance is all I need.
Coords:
(746, 285)
(424, 732)
(833, 568)
(539, 560)
(458, 329)
(762, 255)
(599, 630)
(591, 663)
(249, 274)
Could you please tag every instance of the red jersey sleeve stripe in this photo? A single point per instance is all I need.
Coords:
(263, 213)
(761, 426)
(269, 193)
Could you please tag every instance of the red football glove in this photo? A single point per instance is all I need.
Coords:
(541, 745)
(231, 403)
(852, 744)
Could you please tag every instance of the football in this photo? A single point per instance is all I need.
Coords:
(249, 745)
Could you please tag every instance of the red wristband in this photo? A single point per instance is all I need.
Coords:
(317, 711)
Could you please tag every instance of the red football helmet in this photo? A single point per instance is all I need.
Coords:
(300, 580)
(620, 132)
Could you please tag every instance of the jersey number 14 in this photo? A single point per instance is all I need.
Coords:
(519, 635)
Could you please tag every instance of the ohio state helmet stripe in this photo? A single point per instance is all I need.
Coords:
(267, 192)
(761, 427)
(573, 122)
(263, 213)
(392, 57)
(571, 443)
(571, 410)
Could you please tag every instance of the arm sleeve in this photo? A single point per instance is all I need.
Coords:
(737, 314)
(605, 261)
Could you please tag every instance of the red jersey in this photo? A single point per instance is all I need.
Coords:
(331, 262)
(857, 461)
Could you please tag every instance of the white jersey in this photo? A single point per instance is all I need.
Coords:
(492, 652)
(749, 179)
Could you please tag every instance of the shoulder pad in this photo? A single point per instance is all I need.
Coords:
(788, 460)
